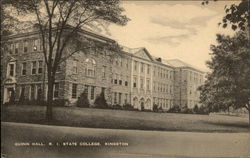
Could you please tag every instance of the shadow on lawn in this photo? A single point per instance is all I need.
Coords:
(228, 124)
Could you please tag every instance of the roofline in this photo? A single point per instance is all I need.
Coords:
(191, 68)
(37, 32)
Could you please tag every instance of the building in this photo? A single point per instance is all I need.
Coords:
(134, 77)
(187, 80)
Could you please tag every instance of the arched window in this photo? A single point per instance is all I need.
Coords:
(90, 67)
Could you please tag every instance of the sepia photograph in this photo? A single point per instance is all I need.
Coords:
(125, 78)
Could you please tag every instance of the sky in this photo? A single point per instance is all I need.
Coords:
(172, 29)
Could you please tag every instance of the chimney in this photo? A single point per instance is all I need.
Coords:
(158, 59)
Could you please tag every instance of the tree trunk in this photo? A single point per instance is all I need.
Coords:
(248, 116)
(49, 114)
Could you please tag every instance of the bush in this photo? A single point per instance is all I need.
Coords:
(116, 106)
(196, 109)
(156, 108)
(83, 101)
(100, 101)
(175, 109)
(203, 110)
(128, 107)
(60, 102)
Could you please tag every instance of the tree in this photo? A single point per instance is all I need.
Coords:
(83, 100)
(238, 16)
(100, 101)
(58, 23)
(229, 84)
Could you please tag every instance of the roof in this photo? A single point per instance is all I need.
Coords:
(179, 63)
(131, 50)
(84, 30)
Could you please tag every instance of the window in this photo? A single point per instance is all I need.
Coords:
(35, 44)
(90, 67)
(40, 66)
(56, 90)
(25, 47)
(170, 89)
(148, 71)
(126, 82)
(154, 86)
(148, 85)
(92, 93)
(16, 45)
(142, 67)
(115, 98)
(22, 92)
(126, 63)
(32, 92)
(120, 81)
(103, 90)
(33, 67)
(11, 48)
(134, 81)
(142, 83)
(126, 99)
(39, 93)
(75, 67)
(115, 78)
(11, 70)
(135, 65)
(120, 98)
(24, 67)
(86, 90)
(74, 91)
(103, 71)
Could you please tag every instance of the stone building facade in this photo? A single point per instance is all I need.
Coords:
(134, 77)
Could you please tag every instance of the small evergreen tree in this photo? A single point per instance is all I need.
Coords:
(83, 100)
(21, 98)
(100, 101)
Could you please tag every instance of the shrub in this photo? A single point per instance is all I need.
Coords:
(175, 109)
(155, 107)
(100, 101)
(117, 106)
(83, 101)
(203, 110)
(196, 109)
(128, 107)
(60, 102)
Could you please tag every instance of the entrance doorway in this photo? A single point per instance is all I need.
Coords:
(9, 95)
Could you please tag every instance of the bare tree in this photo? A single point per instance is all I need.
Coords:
(59, 22)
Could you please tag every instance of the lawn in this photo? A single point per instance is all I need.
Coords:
(121, 119)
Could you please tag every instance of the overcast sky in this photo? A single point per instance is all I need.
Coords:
(183, 29)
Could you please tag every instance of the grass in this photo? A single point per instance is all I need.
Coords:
(120, 119)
